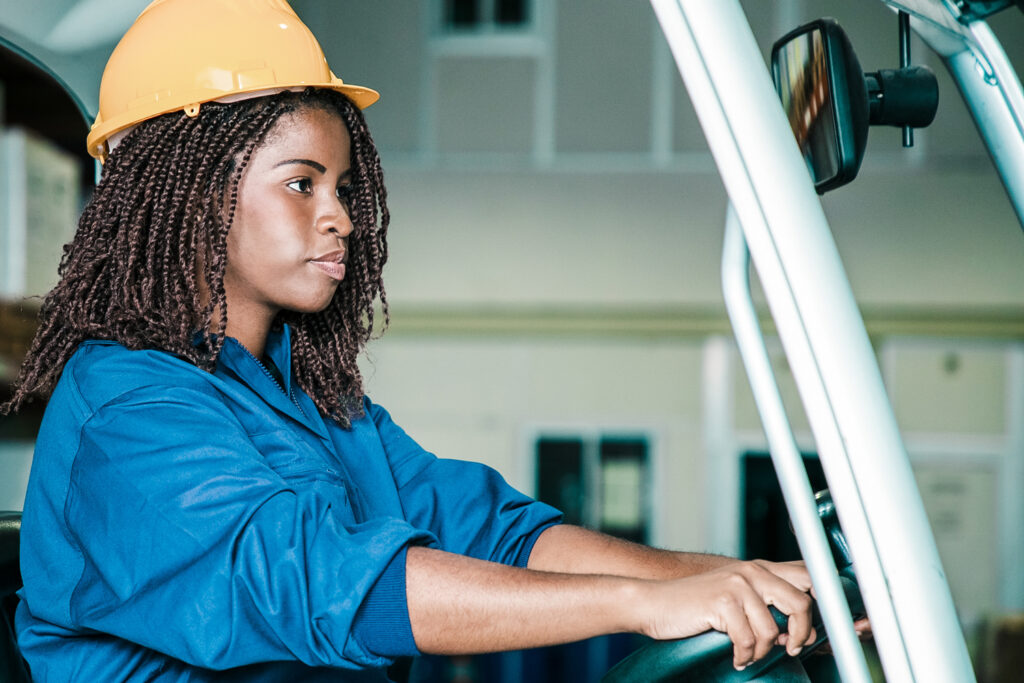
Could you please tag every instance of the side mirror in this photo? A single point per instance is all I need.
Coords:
(825, 97)
(831, 103)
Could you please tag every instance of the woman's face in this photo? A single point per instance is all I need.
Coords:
(287, 245)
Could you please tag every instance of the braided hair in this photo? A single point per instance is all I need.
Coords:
(146, 265)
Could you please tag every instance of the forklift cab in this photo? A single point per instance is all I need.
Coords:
(774, 161)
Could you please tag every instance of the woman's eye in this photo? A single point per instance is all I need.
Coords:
(345, 192)
(303, 185)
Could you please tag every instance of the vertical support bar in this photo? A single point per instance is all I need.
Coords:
(796, 488)
(1011, 505)
(995, 100)
(591, 462)
(428, 80)
(544, 18)
(718, 398)
(869, 475)
(1003, 142)
(662, 105)
(904, 20)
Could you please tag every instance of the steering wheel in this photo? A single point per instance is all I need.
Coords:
(708, 656)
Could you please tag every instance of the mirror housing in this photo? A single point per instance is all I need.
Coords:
(825, 97)
(831, 103)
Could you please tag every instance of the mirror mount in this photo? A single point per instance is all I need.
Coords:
(902, 97)
(831, 103)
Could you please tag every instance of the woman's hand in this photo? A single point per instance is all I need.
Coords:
(863, 629)
(733, 599)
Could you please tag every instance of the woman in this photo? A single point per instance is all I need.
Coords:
(212, 493)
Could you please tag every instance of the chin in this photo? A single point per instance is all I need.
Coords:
(309, 308)
(314, 300)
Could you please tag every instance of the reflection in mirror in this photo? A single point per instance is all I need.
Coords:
(801, 74)
(824, 95)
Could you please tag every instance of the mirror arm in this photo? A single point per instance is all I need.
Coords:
(904, 20)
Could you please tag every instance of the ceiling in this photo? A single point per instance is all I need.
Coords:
(70, 26)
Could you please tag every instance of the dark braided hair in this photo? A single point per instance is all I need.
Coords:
(154, 237)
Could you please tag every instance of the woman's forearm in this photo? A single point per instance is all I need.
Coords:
(460, 605)
(575, 550)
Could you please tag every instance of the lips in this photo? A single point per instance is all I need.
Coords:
(331, 257)
(332, 263)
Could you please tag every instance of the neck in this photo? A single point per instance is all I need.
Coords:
(251, 328)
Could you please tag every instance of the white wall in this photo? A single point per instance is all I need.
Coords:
(550, 237)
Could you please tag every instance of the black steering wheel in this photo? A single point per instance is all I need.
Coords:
(708, 656)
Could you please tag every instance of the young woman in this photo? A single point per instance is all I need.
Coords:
(212, 494)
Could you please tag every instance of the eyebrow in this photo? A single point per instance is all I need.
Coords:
(308, 162)
(314, 164)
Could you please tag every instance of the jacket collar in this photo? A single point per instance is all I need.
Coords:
(279, 350)
(239, 361)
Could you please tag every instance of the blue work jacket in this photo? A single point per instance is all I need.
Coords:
(182, 525)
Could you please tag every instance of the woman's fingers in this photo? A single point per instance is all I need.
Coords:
(758, 585)
(785, 586)
(737, 626)
(794, 646)
(764, 627)
(863, 629)
(794, 573)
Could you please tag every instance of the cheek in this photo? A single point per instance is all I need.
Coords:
(263, 237)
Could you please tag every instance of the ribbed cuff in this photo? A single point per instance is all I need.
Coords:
(524, 552)
(382, 623)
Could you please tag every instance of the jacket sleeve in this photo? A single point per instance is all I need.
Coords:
(192, 546)
(468, 506)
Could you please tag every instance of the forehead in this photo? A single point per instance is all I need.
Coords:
(308, 130)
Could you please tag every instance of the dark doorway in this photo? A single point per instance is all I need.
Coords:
(766, 530)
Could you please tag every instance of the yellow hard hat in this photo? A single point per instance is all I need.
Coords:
(181, 53)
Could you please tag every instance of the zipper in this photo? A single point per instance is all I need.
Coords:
(278, 384)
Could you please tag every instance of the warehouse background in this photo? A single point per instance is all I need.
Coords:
(556, 233)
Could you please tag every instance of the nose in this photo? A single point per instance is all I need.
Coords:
(333, 218)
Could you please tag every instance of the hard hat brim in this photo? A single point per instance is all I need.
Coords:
(102, 130)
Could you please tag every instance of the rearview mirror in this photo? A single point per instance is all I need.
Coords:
(824, 95)
(831, 103)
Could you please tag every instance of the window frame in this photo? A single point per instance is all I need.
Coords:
(591, 438)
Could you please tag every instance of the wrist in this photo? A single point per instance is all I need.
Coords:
(691, 564)
(632, 605)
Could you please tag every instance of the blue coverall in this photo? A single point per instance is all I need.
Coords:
(180, 523)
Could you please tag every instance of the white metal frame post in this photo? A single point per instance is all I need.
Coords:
(987, 81)
(894, 553)
(996, 104)
(796, 487)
